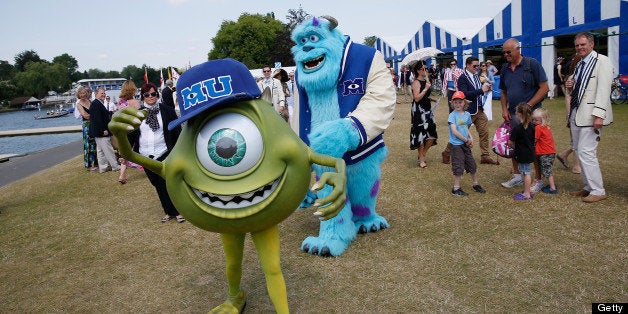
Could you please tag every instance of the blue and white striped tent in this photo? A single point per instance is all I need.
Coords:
(386, 49)
(428, 35)
(536, 23)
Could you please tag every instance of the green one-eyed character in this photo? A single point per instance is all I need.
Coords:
(236, 168)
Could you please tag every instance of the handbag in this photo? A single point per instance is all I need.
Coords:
(500, 141)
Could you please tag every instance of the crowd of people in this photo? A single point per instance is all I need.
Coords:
(584, 80)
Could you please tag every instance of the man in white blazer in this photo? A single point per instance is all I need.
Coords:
(274, 85)
(590, 111)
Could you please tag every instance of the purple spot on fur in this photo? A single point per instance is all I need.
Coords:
(340, 221)
(375, 189)
(359, 210)
(315, 22)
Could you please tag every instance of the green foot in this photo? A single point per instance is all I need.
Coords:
(234, 304)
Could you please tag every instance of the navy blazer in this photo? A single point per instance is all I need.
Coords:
(167, 96)
(99, 118)
(471, 93)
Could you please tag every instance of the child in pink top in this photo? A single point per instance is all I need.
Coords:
(544, 148)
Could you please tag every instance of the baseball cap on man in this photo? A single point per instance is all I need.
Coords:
(213, 83)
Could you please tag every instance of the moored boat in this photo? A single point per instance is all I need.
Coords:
(53, 114)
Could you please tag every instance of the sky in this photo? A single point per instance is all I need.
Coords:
(109, 35)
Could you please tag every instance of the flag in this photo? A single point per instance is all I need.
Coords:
(169, 75)
(189, 65)
(161, 79)
(175, 76)
(145, 76)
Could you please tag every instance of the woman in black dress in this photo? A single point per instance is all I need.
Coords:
(423, 129)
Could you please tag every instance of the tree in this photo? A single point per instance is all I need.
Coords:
(69, 63)
(7, 71)
(283, 40)
(32, 79)
(252, 40)
(8, 91)
(295, 17)
(40, 77)
(57, 78)
(96, 73)
(370, 41)
(24, 57)
(134, 74)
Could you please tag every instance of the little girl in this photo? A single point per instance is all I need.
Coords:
(545, 149)
(522, 140)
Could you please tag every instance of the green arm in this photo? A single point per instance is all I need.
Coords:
(122, 123)
(335, 201)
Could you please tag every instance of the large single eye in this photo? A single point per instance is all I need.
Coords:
(229, 144)
(303, 40)
(313, 38)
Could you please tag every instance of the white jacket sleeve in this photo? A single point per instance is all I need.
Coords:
(376, 108)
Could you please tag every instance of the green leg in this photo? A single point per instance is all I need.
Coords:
(233, 244)
(267, 245)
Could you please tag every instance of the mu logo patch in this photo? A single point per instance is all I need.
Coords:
(354, 86)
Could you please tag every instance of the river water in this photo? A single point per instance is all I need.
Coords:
(18, 120)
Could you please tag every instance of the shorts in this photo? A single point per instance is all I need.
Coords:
(461, 160)
(547, 164)
(525, 168)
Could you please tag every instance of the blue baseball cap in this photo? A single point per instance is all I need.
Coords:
(211, 84)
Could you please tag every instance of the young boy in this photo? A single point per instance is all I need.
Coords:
(461, 144)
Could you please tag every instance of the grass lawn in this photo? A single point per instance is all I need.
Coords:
(74, 241)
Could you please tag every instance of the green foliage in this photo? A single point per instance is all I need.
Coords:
(253, 40)
(24, 57)
(370, 41)
(40, 77)
(8, 90)
(69, 63)
(7, 71)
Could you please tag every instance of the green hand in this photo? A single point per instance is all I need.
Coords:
(122, 123)
(331, 205)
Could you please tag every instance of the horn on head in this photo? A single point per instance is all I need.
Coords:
(333, 23)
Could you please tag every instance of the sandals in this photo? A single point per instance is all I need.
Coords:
(179, 218)
(123, 181)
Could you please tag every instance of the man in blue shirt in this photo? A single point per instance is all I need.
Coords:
(523, 80)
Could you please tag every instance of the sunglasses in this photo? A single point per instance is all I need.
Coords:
(597, 132)
(266, 71)
(507, 52)
(153, 94)
(476, 65)
(452, 64)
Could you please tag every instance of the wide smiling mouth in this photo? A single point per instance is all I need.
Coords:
(241, 200)
(313, 63)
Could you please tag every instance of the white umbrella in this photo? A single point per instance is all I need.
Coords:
(421, 54)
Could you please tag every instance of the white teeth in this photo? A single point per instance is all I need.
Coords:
(246, 195)
(225, 198)
(237, 200)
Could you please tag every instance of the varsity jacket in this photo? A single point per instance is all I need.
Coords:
(366, 95)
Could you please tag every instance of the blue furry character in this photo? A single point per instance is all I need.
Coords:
(346, 101)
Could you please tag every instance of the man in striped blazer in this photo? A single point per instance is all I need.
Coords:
(590, 110)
